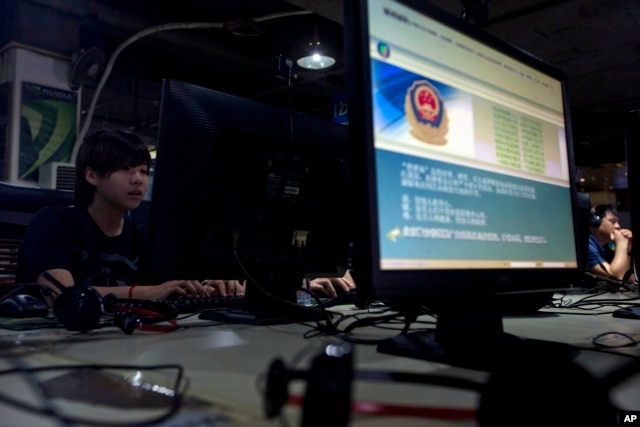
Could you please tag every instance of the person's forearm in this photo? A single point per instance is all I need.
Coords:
(118, 291)
(621, 262)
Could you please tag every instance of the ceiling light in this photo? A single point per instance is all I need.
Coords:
(312, 54)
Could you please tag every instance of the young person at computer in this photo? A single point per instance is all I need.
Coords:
(93, 243)
(609, 245)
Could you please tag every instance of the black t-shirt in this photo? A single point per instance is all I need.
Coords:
(68, 238)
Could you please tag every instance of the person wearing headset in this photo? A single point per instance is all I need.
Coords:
(609, 245)
(93, 242)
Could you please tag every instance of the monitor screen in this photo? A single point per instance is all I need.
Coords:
(242, 188)
(462, 157)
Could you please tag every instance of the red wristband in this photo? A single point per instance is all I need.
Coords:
(131, 291)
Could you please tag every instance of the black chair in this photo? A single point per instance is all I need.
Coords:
(18, 204)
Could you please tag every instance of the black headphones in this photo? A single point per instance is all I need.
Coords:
(328, 386)
(78, 308)
(532, 384)
(595, 220)
(81, 308)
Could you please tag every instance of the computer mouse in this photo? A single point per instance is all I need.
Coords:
(22, 306)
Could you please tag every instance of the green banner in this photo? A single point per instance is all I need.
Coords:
(47, 127)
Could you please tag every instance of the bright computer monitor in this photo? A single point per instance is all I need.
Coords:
(462, 158)
(246, 190)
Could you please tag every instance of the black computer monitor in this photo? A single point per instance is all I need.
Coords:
(246, 190)
(462, 159)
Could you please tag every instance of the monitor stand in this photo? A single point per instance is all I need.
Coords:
(470, 334)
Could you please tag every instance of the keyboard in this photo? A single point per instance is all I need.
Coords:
(187, 305)
(343, 298)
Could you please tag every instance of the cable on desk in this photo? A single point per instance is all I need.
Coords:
(601, 302)
(597, 301)
(48, 410)
(372, 321)
(598, 340)
(611, 283)
(49, 406)
(294, 306)
(564, 301)
(384, 318)
(368, 321)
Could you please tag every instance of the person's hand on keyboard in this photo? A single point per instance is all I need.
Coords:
(331, 286)
(188, 288)
(224, 287)
(172, 288)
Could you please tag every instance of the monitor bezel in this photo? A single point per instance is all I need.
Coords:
(413, 286)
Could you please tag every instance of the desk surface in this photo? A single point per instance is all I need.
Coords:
(225, 366)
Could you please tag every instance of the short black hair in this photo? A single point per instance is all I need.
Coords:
(601, 210)
(106, 151)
